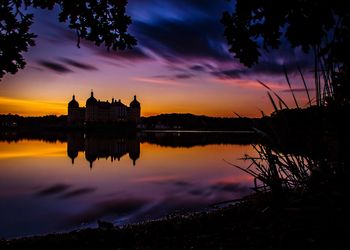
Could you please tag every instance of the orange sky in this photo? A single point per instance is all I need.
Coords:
(200, 102)
(219, 98)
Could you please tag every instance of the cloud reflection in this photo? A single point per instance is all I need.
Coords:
(116, 207)
(62, 189)
(78, 192)
(54, 189)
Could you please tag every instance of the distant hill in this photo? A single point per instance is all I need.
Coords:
(195, 122)
(33, 121)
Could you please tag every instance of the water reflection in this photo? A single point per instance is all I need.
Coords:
(115, 146)
(41, 192)
(96, 147)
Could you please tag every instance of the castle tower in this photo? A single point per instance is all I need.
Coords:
(91, 108)
(73, 111)
(134, 111)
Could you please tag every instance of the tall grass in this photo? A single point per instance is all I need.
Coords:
(278, 172)
(324, 93)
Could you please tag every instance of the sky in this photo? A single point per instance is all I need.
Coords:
(180, 65)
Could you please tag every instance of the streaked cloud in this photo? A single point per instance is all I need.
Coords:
(56, 67)
(77, 64)
(136, 54)
(160, 82)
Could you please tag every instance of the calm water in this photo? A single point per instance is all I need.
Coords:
(70, 183)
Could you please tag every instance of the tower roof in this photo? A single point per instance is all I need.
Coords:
(135, 103)
(92, 100)
(73, 103)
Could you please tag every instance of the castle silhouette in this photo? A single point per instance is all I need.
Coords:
(97, 111)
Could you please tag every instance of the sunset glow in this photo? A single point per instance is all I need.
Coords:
(180, 65)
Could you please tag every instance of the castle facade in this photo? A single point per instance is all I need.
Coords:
(97, 111)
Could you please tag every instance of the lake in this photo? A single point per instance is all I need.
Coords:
(60, 183)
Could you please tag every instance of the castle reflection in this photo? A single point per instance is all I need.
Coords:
(96, 147)
(116, 144)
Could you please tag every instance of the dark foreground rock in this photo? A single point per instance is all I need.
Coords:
(253, 224)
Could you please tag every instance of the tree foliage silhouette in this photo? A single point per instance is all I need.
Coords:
(99, 21)
(322, 27)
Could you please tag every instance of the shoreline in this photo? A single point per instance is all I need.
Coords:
(211, 208)
(253, 223)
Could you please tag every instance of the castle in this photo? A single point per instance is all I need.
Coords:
(103, 111)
